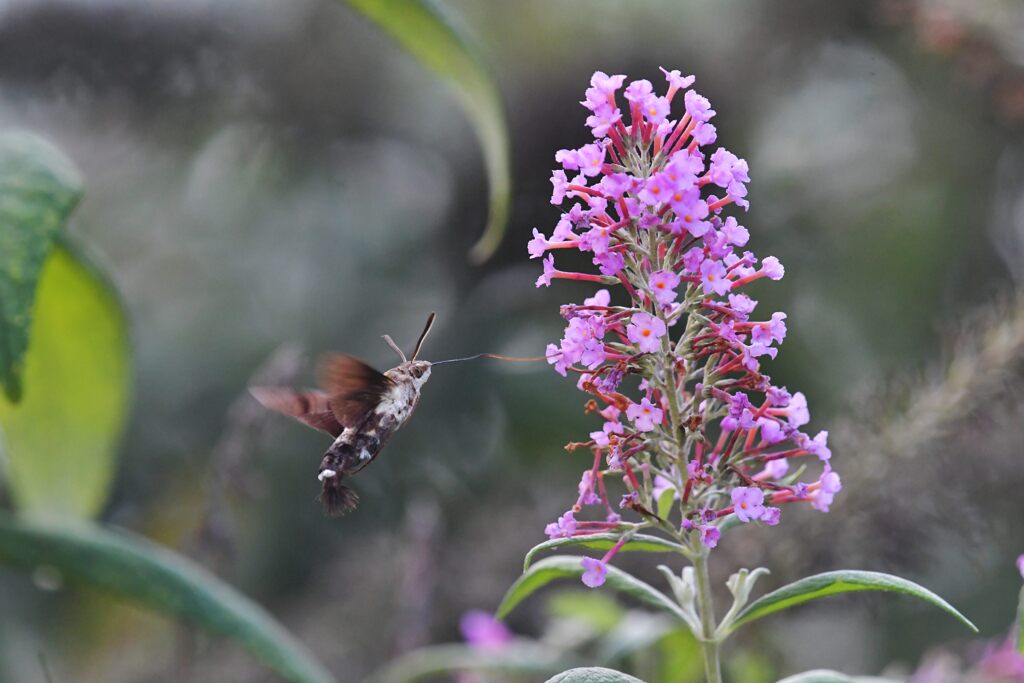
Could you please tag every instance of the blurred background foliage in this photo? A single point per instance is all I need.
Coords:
(269, 180)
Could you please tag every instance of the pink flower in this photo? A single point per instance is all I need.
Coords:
(644, 415)
(705, 133)
(655, 109)
(1020, 565)
(591, 159)
(771, 516)
(645, 331)
(549, 271)
(594, 572)
(676, 80)
(697, 106)
(663, 284)
(748, 502)
(656, 190)
(709, 535)
(538, 245)
(771, 267)
(563, 528)
(714, 278)
(483, 632)
(638, 91)
(734, 233)
(558, 187)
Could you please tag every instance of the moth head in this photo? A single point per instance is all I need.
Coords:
(419, 371)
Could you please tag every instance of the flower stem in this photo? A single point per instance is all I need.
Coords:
(708, 640)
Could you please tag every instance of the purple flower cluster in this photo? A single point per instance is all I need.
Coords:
(689, 422)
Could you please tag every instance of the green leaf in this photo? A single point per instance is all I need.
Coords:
(826, 676)
(598, 610)
(38, 189)
(665, 501)
(518, 658)
(636, 632)
(61, 439)
(138, 570)
(639, 543)
(427, 31)
(833, 583)
(593, 674)
(566, 566)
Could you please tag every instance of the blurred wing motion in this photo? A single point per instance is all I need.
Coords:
(310, 407)
(353, 387)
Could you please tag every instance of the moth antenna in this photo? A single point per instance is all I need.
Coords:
(423, 335)
(391, 342)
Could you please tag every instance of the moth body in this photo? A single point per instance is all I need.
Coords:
(360, 407)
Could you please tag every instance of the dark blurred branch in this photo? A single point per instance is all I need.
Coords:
(421, 535)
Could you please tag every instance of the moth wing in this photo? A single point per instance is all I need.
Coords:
(353, 387)
(309, 407)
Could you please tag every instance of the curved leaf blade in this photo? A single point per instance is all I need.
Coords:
(828, 676)
(428, 33)
(565, 566)
(593, 674)
(61, 438)
(639, 543)
(519, 658)
(136, 569)
(834, 583)
(39, 187)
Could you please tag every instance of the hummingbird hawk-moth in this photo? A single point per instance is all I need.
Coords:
(357, 405)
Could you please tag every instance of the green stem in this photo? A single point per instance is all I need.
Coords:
(705, 606)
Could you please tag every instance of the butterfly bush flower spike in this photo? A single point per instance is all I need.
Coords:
(670, 349)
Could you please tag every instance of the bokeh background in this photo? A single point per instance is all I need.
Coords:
(267, 181)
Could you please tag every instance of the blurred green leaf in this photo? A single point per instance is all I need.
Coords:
(520, 659)
(38, 189)
(565, 566)
(636, 632)
(665, 500)
(593, 674)
(834, 583)
(639, 543)
(598, 610)
(138, 570)
(61, 438)
(426, 30)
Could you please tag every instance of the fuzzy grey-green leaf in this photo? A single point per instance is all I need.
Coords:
(828, 676)
(138, 570)
(593, 674)
(39, 187)
(638, 543)
(428, 32)
(565, 566)
(834, 583)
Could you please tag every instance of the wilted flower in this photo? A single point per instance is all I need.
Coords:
(646, 202)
